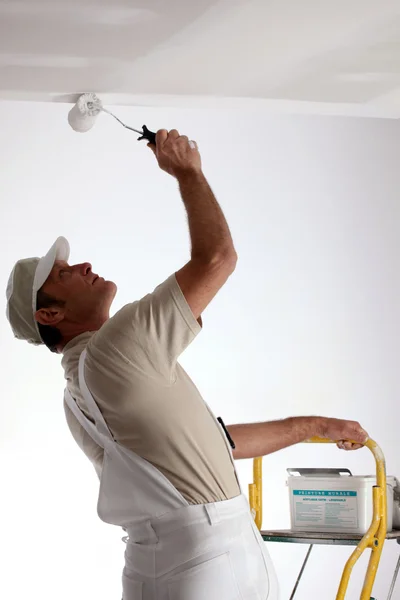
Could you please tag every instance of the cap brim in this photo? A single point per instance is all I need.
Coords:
(59, 251)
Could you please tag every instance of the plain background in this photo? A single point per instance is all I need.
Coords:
(308, 323)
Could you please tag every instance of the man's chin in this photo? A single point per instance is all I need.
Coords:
(112, 287)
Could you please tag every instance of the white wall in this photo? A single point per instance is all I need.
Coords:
(308, 323)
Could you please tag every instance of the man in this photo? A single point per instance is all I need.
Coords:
(165, 464)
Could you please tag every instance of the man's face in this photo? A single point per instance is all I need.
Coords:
(86, 296)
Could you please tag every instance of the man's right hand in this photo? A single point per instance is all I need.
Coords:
(175, 154)
(341, 432)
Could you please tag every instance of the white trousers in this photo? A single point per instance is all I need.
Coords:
(200, 552)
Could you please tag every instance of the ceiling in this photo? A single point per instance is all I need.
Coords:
(314, 56)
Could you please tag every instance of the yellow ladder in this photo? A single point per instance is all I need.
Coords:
(373, 539)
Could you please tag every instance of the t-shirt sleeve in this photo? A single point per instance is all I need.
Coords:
(153, 331)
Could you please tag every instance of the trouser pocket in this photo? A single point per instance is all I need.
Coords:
(213, 579)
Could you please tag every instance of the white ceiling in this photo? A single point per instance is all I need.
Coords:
(318, 56)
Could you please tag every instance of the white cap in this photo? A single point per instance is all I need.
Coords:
(26, 279)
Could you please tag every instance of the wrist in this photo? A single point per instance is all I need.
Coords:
(189, 175)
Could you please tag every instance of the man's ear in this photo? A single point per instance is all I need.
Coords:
(50, 316)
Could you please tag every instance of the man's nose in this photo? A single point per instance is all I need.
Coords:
(83, 268)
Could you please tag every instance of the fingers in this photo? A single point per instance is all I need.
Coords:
(348, 446)
(173, 134)
(357, 433)
(175, 153)
(164, 136)
(349, 432)
(161, 137)
(175, 138)
(191, 143)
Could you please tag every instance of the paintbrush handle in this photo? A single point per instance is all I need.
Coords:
(148, 135)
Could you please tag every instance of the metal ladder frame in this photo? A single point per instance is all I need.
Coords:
(374, 538)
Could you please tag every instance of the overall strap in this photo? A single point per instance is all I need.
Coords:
(87, 425)
(91, 405)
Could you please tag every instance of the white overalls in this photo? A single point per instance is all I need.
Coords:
(175, 551)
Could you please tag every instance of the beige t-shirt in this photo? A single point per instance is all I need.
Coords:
(149, 403)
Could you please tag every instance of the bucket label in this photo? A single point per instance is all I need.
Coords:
(336, 509)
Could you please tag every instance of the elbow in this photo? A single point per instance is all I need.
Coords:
(222, 260)
(233, 258)
(226, 260)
